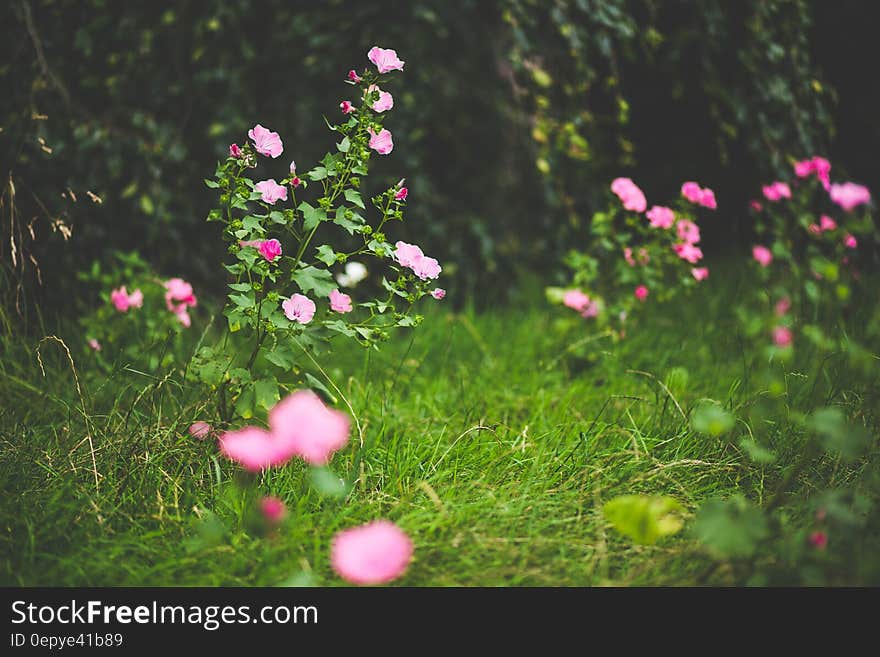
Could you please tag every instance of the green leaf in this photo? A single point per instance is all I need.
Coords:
(644, 519)
(318, 173)
(282, 355)
(243, 300)
(213, 184)
(266, 392)
(758, 453)
(244, 405)
(710, 419)
(344, 145)
(731, 528)
(312, 279)
(327, 483)
(326, 254)
(837, 434)
(311, 216)
(354, 196)
(317, 384)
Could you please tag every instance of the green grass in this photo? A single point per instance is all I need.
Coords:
(487, 438)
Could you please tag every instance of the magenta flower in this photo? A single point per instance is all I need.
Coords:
(353, 76)
(776, 191)
(94, 344)
(296, 182)
(234, 151)
(660, 217)
(641, 293)
(385, 59)
(827, 223)
(707, 199)
(700, 273)
(200, 430)
(850, 242)
(270, 249)
(374, 553)
(692, 192)
(689, 252)
(849, 195)
(340, 302)
(385, 101)
(254, 449)
(266, 142)
(756, 205)
(299, 308)
(782, 336)
(179, 296)
(688, 231)
(762, 255)
(122, 300)
(406, 254)
(576, 300)
(382, 142)
(273, 509)
(819, 540)
(401, 194)
(302, 425)
(782, 307)
(438, 293)
(818, 165)
(271, 191)
(632, 198)
(346, 107)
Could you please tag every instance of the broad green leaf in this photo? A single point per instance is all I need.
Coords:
(354, 196)
(731, 528)
(311, 216)
(312, 279)
(326, 254)
(244, 405)
(266, 392)
(644, 519)
(710, 419)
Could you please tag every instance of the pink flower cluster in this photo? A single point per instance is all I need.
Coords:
(122, 300)
(776, 191)
(687, 248)
(409, 255)
(581, 303)
(697, 195)
(630, 195)
(815, 165)
(178, 298)
(299, 425)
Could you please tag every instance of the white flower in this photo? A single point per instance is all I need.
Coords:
(354, 273)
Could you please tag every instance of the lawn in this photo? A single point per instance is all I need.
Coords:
(492, 438)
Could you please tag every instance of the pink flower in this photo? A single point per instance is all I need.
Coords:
(353, 76)
(762, 255)
(660, 217)
(426, 268)
(827, 223)
(296, 182)
(385, 59)
(200, 430)
(641, 293)
(850, 242)
(302, 425)
(776, 191)
(183, 317)
(406, 254)
(803, 168)
(782, 307)
(346, 107)
(401, 194)
(234, 151)
(692, 192)
(815, 229)
(179, 296)
(94, 344)
(688, 231)
(707, 199)
(270, 249)
(630, 195)
(340, 302)
(266, 142)
(782, 336)
(849, 195)
(819, 540)
(590, 310)
(374, 553)
(271, 191)
(273, 509)
(385, 101)
(122, 300)
(299, 308)
(628, 256)
(254, 449)
(576, 300)
(382, 142)
(756, 205)
(818, 165)
(700, 273)
(438, 293)
(687, 251)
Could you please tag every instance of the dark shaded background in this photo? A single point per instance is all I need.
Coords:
(510, 119)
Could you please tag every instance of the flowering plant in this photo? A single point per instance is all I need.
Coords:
(283, 296)
(637, 255)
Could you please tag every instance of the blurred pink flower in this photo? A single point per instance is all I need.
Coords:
(382, 142)
(270, 249)
(122, 300)
(183, 317)
(660, 217)
(641, 293)
(385, 101)
(406, 254)
(628, 256)
(849, 195)
(632, 198)
(590, 310)
(271, 191)
(200, 430)
(776, 191)
(688, 231)
(340, 302)
(438, 293)
(426, 268)
(818, 165)
(782, 336)
(299, 308)
(302, 425)
(179, 296)
(827, 223)
(819, 540)
(687, 251)
(385, 59)
(254, 449)
(94, 344)
(401, 194)
(782, 307)
(756, 205)
(692, 192)
(700, 273)
(353, 76)
(707, 198)
(374, 553)
(234, 151)
(762, 255)
(266, 142)
(273, 509)
(850, 241)
(576, 300)
(346, 107)
(136, 299)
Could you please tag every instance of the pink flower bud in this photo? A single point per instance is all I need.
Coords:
(273, 509)
(353, 76)
(346, 107)
(401, 194)
(641, 293)
(234, 150)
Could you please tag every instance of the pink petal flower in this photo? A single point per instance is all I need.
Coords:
(632, 198)
(782, 307)
(827, 223)
(700, 273)
(385, 59)
(850, 241)
(271, 191)
(299, 308)
(340, 302)
(689, 252)
(375, 553)
(200, 430)
(303, 425)
(266, 142)
(576, 300)
(438, 293)
(406, 254)
(803, 168)
(346, 107)
(179, 291)
(183, 317)
(849, 195)
(782, 336)
(273, 509)
(707, 199)
(119, 299)
(688, 231)
(270, 249)
(756, 205)
(94, 344)
(426, 268)
(660, 217)
(385, 101)
(590, 310)
(692, 192)
(641, 293)
(234, 151)
(296, 182)
(762, 255)
(382, 142)
(353, 76)
(776, 191)
(819, 540)
(401, 194)
(254, 449)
